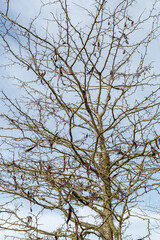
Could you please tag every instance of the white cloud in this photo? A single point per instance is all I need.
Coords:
(50, 221)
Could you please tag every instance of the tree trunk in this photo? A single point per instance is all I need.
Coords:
(107, 233)
(108, 229)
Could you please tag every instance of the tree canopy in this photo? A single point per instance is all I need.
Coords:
(80, 130)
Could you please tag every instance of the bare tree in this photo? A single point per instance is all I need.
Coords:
(85, 133)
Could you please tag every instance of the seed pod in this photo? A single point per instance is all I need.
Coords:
(29, 149)
(69, 214)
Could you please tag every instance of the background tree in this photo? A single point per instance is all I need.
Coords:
(85, 133)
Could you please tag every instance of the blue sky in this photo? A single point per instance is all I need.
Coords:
(29, 9)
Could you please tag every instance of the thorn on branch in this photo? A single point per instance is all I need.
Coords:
(90, 71)
(79, 198)
(135, 144)
(28, 67)
(125, 36)
(64, 71)
(43, 74)
(98, 46)
(29, 149)
(54, 62)
(51, 141)
(93, 71)
(29, 195)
